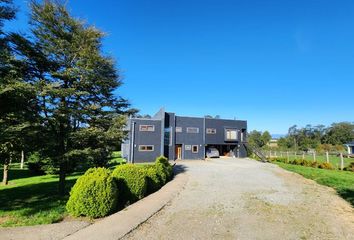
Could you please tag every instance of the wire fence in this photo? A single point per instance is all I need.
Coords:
(337, 159)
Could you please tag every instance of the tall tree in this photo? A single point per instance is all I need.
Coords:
(75, 82)
(17, 105)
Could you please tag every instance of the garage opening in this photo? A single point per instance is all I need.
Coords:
(230, 150)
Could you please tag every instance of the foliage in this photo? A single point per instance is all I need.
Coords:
(325, 165)
(94, 194)
(259, 139)
(164, 169)
(153, 178)
(74, 84)
(131, 181)
(35, 164)
(350, 167)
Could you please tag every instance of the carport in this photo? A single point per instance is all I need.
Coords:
(230, 150)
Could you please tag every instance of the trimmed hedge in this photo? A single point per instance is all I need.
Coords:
(306, 163)
(94, 194)
(164, 169)
(131, 181)
(153, 179)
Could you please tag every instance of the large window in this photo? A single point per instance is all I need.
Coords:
(192, 130)
(179, 129)
(230, 134)
(147, 128)
(146, 148)
(195, 149)
(211, 131)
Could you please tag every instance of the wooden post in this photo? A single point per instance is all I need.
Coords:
(314, 156)
(303, 155)
(287, 155)
(281, 154)
(295, 155)
(275, 153)
(341, 161)
(327, 157)
(22, 159)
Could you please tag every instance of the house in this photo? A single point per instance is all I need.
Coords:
(350, 147)
(178, 137)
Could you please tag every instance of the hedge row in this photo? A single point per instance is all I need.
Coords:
(100, 192)
(306, 163)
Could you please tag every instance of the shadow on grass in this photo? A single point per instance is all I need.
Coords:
(34, 198)
(348, 195)
(17, 173)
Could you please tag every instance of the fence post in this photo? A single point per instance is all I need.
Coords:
(295, 155)
(303, 155)
(275, 153)
(314, 156)
(287, 155)
(281, 154)
(341, 161)
(327, 157)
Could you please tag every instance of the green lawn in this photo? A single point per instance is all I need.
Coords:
(32, 200)
(341, 181)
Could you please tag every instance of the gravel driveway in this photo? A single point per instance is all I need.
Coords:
(245, 199)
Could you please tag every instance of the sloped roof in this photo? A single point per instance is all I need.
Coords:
(350, 143)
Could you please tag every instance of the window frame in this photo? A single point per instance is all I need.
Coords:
(147, 128)
(193, 146)
(146, 146)
(188, 130)
(211, 131)
(227, 130)
(178, 129)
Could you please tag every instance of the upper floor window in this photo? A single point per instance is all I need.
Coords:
(211, 131)
(147, 128)
(192, 130)
(178, 129)
(230, 134)
(146, 148)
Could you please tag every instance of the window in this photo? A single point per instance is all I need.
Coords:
(211, 131)
(243, 131)
(167, 137)
(147, 128)
(146, 148)
(230, 134)
(178, 129)
(195, 149)
(187, 147)
(192, 130)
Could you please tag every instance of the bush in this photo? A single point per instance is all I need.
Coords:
(164, 169)
(326, 165)
(94, 194)
(35, 164)
(153, 179)
(301, 162)
(350, 167)
(131, 182)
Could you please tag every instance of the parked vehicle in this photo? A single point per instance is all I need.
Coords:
(212, 152)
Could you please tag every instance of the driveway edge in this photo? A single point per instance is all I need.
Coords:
(123, 222)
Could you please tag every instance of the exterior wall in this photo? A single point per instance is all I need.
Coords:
(147, 138)
(219, 138)
(190, 139)
(170, 125)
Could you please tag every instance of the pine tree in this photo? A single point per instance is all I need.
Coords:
(75, 83)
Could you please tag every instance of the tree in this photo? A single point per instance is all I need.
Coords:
(17, 105)
(339, 133)
(266, 137)
(75, 83)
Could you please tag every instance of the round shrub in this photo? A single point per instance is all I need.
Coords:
(94, 194)
(153, 179)
(131, 182)
(326, 165)
(314, 164)
(350, 167)
(164, 169)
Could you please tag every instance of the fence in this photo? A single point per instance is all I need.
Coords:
(338, 160)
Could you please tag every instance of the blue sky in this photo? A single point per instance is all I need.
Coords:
(273, 63)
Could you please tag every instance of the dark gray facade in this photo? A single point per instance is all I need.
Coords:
(178, 137)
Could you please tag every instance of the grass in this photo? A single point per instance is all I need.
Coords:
(32, 200)
(341, 181)
(321, 158)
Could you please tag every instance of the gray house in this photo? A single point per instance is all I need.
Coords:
(178, 137)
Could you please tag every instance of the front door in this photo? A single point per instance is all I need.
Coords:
(178, 151)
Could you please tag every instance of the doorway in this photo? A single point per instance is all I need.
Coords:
(179, 151)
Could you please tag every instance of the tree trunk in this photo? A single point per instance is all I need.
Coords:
(62, 175)
(22, 159)
(6, 171)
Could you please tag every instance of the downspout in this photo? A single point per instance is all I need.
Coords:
(132, 143)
